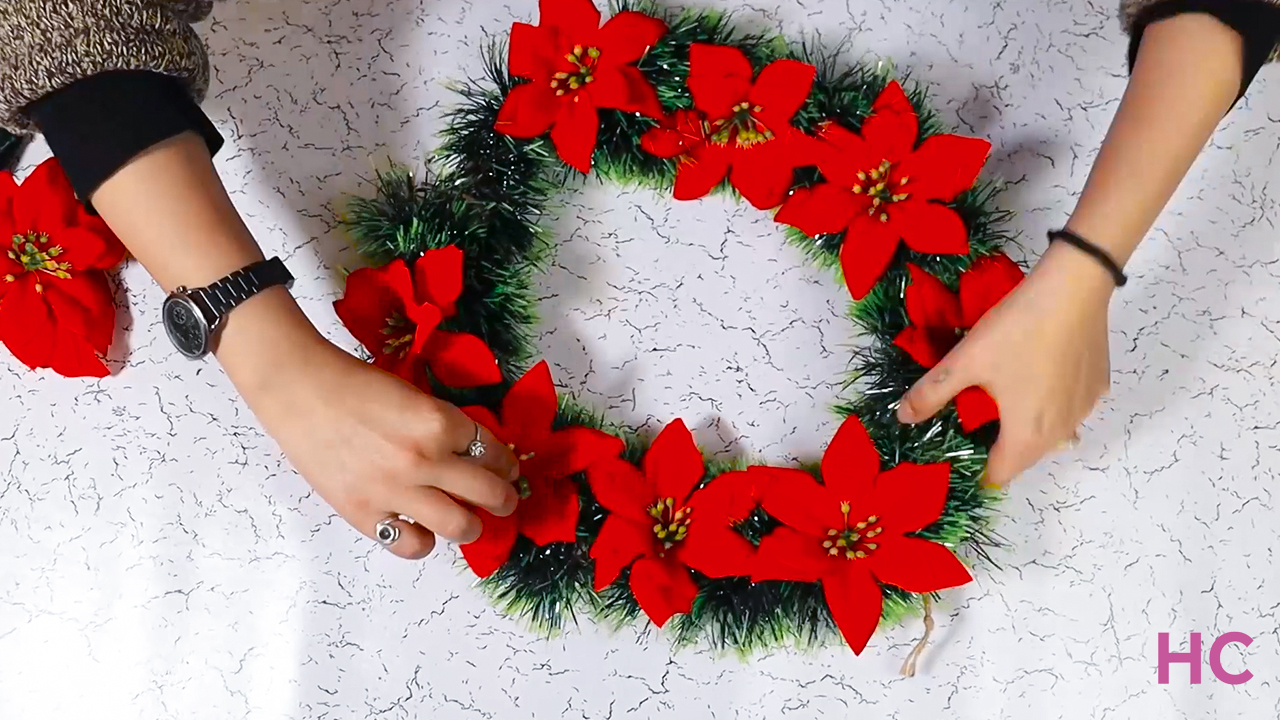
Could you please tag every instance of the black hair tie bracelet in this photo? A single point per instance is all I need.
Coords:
(1093, 251)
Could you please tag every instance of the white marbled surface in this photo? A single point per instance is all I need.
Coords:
(158, 559)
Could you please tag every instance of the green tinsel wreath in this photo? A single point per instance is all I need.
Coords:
(488, 193)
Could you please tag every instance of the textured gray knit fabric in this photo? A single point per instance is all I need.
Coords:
(48, 44)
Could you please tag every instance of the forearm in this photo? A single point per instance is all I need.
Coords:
(1185, 79)
(171, 211)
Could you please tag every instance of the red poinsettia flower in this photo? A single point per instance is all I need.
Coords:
(548, 509)
(882, 188)
(854, 530)
(940, 318)
(661, 523)
(56, 308)
(574, 67)
(396, 315)
(744, 128)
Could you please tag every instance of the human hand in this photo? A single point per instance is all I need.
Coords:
(371, 444)
(1041, 353)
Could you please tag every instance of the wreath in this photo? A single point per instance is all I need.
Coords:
(861, 176)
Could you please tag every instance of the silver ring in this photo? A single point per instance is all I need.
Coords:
(386, 532)
(476, 448)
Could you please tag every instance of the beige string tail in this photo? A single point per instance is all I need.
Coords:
(909, 667)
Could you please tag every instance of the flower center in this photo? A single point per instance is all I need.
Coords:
(523, 487)
(882, 191)
(743, 128)
(33, 253)
(585, 61)
(673, 524)
(853, 542)
(399, 332)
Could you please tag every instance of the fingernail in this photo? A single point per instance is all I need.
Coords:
(513, 474)
(984, 481)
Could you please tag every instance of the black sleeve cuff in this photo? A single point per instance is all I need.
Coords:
(98, 124)
(1257, 21)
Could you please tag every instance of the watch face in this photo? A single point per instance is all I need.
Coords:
(186, 326)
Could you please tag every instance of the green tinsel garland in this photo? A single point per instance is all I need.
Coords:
(488, 193)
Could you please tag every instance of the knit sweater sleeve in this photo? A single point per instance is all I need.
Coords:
(46, 45)
(1257, 22)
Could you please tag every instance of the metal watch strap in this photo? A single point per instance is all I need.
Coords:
(223, 296)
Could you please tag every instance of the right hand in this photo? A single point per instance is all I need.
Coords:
(1041, 353)
(371, 444)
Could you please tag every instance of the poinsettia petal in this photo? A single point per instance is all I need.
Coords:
(662, 588)
(73, 357)
(719, 78)
(611, 90)
(406, 366)
(622, 489)
(917, 565)
(530, 407)
(929, 303)
(762, 176)
(796, 499)
(843, 154)
(892, 126)
(461, 360)
(550, 513)
(82, 248)
(910, 497)
(713, 547)
(780, 90)
(786, 554)
(727, 499)
(619, 542)
(821, 209)
(437, 278)
(986, 283)
(533, 55)
(664, 141)
(115, 252)
(701, 171)
(570, 451)
(673, 463)
(627, 36)
(717, 552)
(624, 88)
(83, 306)
(868, 248)
(943, 166)
(928, 227)
(369, 300)
(574, 18)
(574, 133)
(528, 111)
(976, 408)
(485, 417)
(27, 327)
(644, 97)
(922, 345)
(856, 602)
(493, 548)
(425, 318)
(45, 201)
(850, 463)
